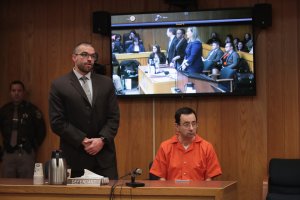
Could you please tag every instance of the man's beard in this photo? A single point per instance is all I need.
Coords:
(85, 69)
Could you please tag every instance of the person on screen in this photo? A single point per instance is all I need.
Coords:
(248, 41)
(136, 46)
(128, 39)
(171, 46)
(241, 47)
(179, 49)
(214, 38)
(213, 56)
(251, 51)
(117, 38)
(157, 55)
(193, 53)
(235, 43)
(23, 130)
(116, 78)
(230, 58)
(186, 156)
(228, 38)
(116, 44)
(84, 113)
(116, 47)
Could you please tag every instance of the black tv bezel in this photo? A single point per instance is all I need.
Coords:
(187, 95)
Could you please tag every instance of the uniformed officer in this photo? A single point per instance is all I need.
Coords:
(23, 131)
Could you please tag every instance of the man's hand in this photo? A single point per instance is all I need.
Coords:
(93, 146)
(85, 142)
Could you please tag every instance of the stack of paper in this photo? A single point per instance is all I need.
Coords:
(88, 178)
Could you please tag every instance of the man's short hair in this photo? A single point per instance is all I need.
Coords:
(17, 82)
(182, 31)
(216, 42)
(81, 44)
(183, 111)
(172, 30)
(229, 43)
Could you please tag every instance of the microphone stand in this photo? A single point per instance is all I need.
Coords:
(133, 183)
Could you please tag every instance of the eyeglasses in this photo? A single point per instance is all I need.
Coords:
(189, 124)
(87, 55)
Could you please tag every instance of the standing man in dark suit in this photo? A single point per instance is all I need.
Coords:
(84, 112)
(171, 33)
(180, 48)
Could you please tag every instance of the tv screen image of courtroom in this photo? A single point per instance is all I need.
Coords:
(137, 73)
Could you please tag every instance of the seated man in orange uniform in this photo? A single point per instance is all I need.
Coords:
(186, 156)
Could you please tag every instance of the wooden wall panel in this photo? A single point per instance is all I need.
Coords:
(283, 142)
(291, 95)
(297, 59)
(134, 141)
(290, 74)
(230, 143)
(3, 56)
(38, 37)
(39, 82)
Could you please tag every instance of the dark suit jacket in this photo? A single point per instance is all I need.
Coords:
(171, 50)
(213, 59)
(180, 51)
(73, 118)
(216, 55)
(232, 60)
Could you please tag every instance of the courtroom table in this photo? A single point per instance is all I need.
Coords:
(202, 83)
(141, 57)
(23, 189)
(156, 83)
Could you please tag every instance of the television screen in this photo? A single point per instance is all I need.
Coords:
(206, 52)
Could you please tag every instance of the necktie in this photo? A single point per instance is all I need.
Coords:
(86, 88)
(14, 132)
(225, 56)
(224, 59)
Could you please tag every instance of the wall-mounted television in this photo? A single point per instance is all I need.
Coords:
(139, 71)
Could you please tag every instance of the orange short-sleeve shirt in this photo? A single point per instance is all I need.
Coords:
(198, 162)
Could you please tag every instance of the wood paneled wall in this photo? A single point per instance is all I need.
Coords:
(37, 38)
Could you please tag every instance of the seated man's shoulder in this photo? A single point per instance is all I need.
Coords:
(167, 144)
(205, 144)
(208, 149)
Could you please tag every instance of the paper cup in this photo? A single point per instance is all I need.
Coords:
(38, 169)
(38, 176)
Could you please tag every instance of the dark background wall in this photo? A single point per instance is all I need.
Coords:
(38, 36)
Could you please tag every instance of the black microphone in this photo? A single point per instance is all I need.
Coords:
(133, 174)
(136, 172)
